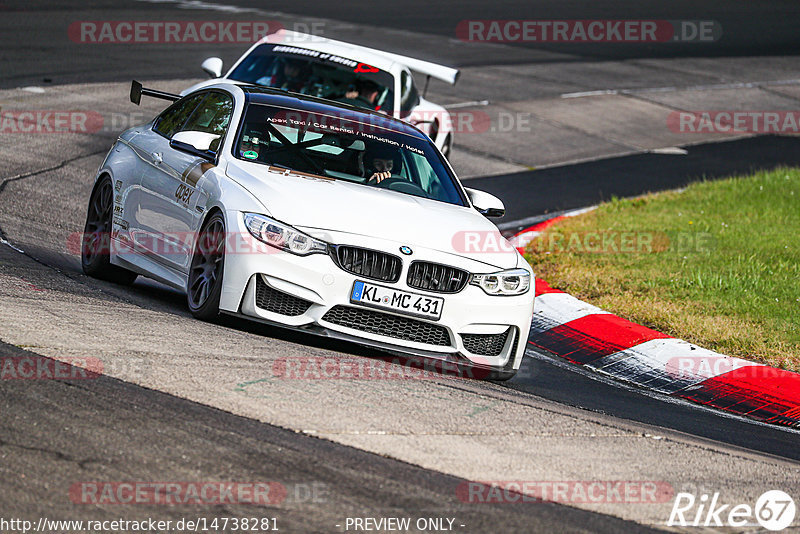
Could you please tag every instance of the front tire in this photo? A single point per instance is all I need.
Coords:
(96, 242)
(204, 287)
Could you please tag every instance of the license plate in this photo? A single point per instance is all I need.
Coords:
(394, 299)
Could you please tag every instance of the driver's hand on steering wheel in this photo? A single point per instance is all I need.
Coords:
(378, 177)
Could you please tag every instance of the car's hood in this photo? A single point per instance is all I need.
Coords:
(339, 206)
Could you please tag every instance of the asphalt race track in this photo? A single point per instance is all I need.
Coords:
(182, 400)
(336, 480)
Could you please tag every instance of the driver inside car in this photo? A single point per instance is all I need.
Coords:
(364, 94)
(290, 75)
(380, 160)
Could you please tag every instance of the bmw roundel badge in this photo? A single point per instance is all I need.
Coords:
(406, 250)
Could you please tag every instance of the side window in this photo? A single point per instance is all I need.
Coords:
(212, 116)
(171, 120)
(409, 97)
(422, 173)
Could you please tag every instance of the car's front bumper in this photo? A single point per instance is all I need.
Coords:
(314, 294)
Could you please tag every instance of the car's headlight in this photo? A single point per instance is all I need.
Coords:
(283, 236)
(511, 282)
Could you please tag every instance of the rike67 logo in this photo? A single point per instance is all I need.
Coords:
(774, 510)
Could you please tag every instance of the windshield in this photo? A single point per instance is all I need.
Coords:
(314, 73)
(342, 147)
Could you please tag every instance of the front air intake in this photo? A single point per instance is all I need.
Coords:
(384, 324)
(275, 301)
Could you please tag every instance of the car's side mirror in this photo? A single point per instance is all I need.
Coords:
(212, 66)
(486, 204)
(197, 143)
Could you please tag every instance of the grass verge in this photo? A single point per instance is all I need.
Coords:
(717, 264)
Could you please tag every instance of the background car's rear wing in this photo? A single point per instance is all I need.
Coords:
(137, 91)
(440, 72)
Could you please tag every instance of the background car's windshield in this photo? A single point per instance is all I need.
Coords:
(324, 75)
(365, 151)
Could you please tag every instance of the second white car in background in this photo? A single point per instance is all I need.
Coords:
(343, 72)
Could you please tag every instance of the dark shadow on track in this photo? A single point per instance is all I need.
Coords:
(747, 28)
(547, 380)
(530, 193)
(104, 429)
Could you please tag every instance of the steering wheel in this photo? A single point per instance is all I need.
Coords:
(402, 185)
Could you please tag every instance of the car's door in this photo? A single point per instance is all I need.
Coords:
(150, 145)
(170, 201)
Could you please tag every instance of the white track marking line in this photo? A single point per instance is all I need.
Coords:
(469, 104)
(669, 89)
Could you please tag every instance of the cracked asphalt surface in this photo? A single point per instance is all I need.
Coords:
(152, 436)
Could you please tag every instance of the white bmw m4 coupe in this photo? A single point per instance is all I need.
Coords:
(323, 217)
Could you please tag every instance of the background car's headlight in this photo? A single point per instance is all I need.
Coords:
(511, 282)
(283, 236)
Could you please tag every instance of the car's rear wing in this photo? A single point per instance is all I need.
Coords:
(137, 91)
(440, 72)
(434, 70)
